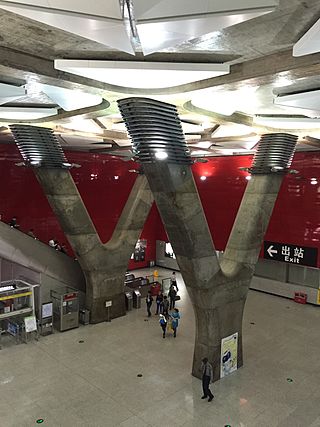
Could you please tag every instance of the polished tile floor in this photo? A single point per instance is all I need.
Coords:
(96, 383)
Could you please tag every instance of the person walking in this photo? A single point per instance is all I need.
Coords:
(165, 306)
(172, 296)
(159, 300)
(175, 316)
(207, 378)
(163, 323)
(149, 301)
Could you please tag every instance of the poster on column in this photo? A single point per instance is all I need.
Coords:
(229, 355)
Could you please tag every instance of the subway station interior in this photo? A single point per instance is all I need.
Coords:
(160, 213)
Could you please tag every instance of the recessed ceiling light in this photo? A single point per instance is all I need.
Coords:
(161, 155)
(203, 178)
(142, 75)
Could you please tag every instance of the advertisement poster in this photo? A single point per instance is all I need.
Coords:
(47, 310)
(229, 355)
(30, 323)
(139, 253)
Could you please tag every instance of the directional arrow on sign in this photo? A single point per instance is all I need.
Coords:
(271, 251)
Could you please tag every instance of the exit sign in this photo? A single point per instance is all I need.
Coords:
(293, 254)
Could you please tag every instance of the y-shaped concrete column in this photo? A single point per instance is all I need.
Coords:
(218, 292)
(104, 265)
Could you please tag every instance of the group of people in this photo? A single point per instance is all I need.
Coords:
(53, 243)
(172, 318)
(164, 304)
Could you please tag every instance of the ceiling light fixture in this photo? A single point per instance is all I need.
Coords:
(21, 113)
(203, 178)
(141, 75)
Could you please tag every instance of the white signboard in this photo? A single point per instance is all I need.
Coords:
(229, 355)
(30, 323)
(46, 310)
(108, 303)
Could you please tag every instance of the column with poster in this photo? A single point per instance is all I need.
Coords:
(229, 355)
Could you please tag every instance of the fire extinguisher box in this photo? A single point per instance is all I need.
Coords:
(300, 297)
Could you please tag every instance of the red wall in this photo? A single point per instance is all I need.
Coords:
(295, 220)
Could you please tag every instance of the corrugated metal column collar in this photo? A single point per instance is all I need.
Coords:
(274, 153)
(155, 130)
(39, 147)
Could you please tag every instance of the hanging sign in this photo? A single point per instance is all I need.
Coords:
(293, 254)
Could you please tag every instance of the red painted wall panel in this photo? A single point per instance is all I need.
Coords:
(295, 220)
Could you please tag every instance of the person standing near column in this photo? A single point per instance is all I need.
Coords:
(172, 296)
(207, 378)
(149, 301)
(165, 306)
(159, 300)
(174, 281)
(175, 316)
(163, 323)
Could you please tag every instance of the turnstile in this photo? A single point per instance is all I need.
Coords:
(136, 299)
(65, 309)
(129, 300)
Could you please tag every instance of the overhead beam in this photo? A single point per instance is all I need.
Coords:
(260, 71)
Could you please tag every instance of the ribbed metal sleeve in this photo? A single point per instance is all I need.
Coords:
(155, 129)
(39, 146)
(274, 153)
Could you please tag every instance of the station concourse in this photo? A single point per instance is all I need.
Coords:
(140, 138)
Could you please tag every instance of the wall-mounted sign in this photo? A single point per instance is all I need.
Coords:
(229, 355)
(293, 254)
(168, 251)
(139, 253)
(47, 310)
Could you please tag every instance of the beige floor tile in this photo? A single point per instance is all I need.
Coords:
(95, 383)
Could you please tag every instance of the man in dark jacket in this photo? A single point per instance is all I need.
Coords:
(149, 301)
(172, 296)
(207, 378)
(159, 300)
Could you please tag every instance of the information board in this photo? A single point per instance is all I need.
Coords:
(293, 254)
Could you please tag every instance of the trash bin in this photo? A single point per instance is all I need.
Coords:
(84, 316)
(129, 300)
(136, 299)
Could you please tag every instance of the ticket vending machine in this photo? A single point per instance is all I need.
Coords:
(65, 309)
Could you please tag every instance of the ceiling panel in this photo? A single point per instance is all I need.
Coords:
(142, 74)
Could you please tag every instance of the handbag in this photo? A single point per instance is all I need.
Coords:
(177, 298)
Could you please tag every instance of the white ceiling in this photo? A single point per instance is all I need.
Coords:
(159, 23)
